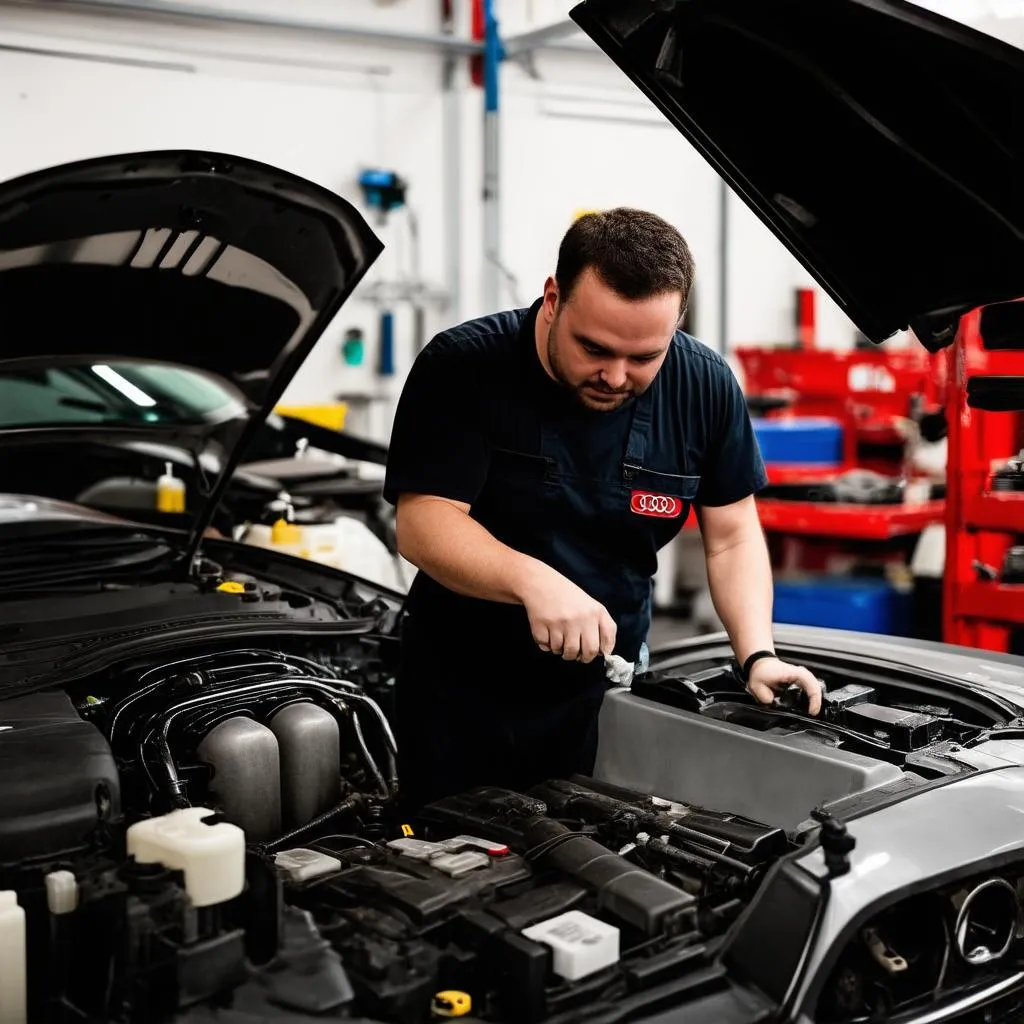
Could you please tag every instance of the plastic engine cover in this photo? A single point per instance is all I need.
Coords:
(58, 780)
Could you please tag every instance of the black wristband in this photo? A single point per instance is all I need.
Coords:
(755, 657)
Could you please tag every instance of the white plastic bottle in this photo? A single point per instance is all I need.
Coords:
(13, 1008)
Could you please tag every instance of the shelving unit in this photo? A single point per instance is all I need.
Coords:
(870, 391)
(981, 524)
(848, 522)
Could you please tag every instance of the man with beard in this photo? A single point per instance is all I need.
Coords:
(539, 459)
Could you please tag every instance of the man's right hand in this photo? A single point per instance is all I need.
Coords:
(439, 536)
(564, 619)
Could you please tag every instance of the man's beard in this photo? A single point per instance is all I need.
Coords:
(584, 393)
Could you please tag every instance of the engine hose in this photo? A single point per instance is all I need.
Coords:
(715, 856)
(365, 750)
(683, 858)
(389, 736)
(175, 787)
(175, 669)
(351, 805)
(391, 746)
(327, 688)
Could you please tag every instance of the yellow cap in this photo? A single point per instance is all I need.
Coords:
(231, 587)
(451, 1004)
(283, 532)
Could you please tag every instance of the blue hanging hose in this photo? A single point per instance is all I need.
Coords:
(492, 58)
(386, 364)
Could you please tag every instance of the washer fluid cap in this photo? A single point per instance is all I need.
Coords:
(212, 856)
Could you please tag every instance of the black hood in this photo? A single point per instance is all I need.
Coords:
(213, 263)
(881, 143)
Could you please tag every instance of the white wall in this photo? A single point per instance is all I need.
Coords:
(578, 138)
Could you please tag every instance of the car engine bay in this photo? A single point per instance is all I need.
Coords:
(214, 837)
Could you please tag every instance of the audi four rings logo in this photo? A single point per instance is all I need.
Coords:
(661, 506)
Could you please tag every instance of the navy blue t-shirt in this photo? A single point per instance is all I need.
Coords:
(480, 386)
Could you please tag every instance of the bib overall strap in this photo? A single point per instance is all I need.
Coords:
(636, 448)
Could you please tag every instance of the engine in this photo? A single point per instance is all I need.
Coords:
(216, 839)
(266, 737)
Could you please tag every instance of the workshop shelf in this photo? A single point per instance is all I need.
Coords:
(1000, 512)
(992, 602)
(848, 522)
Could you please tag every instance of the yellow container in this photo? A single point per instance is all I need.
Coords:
(331, 415)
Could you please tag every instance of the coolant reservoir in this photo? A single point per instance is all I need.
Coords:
(13, 1009)
(346, 544)
(212, 856)
(285, 537)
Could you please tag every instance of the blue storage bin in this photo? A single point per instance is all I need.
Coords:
(864, 606)
(804, 440)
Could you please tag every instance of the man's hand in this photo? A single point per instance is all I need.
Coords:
(769, 675)
(440, 537)
(564, 619)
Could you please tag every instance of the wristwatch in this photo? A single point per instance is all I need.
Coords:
(755, 657)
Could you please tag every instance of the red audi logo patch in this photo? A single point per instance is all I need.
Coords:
(661, 506)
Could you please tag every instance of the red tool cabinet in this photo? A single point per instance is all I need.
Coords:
(981, 523)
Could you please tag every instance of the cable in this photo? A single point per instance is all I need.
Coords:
(358, 840)
(349, 804)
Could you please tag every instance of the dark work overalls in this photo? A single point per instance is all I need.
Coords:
(478, 703)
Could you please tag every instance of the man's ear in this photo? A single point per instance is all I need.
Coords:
(551, 298)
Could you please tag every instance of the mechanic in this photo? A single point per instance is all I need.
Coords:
(539, 459)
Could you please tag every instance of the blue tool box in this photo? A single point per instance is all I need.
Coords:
(838, 602)
(801, 440)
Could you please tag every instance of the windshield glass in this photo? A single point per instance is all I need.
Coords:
(112, 394)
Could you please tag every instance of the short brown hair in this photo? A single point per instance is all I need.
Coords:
(636, 253)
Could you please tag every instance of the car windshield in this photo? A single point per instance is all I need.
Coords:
(112, 394)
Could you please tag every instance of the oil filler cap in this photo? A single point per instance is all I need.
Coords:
(451, 1004)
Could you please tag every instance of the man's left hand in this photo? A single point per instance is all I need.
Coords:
(769, 675)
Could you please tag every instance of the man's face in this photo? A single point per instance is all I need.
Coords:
(602, 347)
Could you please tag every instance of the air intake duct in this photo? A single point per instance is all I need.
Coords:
(628, 893)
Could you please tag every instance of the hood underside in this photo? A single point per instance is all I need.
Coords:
(881, 143)
(211, 263)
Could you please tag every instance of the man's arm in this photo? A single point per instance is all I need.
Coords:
(438, 461)
(740, 578)
(740, 574)
(739, 570)
(438, 536)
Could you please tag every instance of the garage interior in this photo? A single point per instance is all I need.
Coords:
(392, 103)
(470, 135)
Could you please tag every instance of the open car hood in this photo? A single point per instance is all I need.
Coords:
(211, 263)
(881, 143)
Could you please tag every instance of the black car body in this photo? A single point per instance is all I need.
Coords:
(197, 774)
